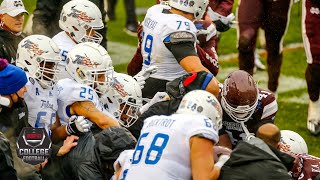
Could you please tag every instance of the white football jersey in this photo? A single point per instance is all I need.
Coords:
(163, 150)
(157, 27)
(42, 104)
(124, 161)
(65, 43)
(69, 92)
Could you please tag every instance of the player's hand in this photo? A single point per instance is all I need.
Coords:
(144, 74)
(219, 151)
(68, 144)
(223, 23)
(158, 97)
(77, 125)
(205, 30)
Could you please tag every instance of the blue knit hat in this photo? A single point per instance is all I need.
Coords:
(12, 78)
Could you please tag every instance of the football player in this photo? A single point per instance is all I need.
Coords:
(311, 41)
(305, 166)
(169, 39)
(183, 141)
(39, 56)
(79, 21)
(90, 67)
(272, 16)
(124, 99)
(245, 107)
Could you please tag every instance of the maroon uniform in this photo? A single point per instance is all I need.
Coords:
(311, 41)
(272, 16)
(264, 113)
(306, 167)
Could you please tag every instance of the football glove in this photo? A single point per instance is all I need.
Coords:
(205, 28)
(77, 125)
(223, 23)
(144, 74)
(160, 96)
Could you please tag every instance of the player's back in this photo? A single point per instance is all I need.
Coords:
(158, 24)
(163, 150)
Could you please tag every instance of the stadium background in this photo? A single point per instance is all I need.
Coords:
(292, 93)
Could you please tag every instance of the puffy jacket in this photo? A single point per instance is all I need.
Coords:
(256, 161)
(9, 45)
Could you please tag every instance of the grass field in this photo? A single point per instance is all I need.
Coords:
(292, 97)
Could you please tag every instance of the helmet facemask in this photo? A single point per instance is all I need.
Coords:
(47, 72)
(89, 34)
(128, 111)
(100, 80)
(239, 113)
(103, 87)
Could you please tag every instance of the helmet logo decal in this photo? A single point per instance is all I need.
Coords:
(83, 61)
(119, 88)
(80, 15)
(186, 2)
(214, 104)
(191, 105)
(33, 47)
(191, 3)
(284, 147)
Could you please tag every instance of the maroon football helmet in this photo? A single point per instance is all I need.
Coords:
(239, 95)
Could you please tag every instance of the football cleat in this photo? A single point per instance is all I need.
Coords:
(314, 117)
(258, 63)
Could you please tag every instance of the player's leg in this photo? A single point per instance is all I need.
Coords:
(249, 21)
(275, 24)
(311, 41)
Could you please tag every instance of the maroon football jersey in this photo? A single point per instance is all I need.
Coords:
(306, 167)
(264, 113)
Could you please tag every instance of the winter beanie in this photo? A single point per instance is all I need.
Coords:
(12, 78)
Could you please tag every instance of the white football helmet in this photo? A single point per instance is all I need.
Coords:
(124, 99)
(292, 142)
(195, 7)
(89, 63)
(79, 16)
(202, 102)
(39, 55)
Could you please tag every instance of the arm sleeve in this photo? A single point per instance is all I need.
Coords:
(209, 59)
(135, 65)
(182, 49)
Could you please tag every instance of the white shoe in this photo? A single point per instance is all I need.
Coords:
(258, 63)
(314, 117)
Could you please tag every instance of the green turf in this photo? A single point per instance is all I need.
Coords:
(290, 115)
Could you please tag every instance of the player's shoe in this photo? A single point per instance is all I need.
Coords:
(258, 63)
(314, 117)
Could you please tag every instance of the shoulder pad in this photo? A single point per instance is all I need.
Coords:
(181, 36)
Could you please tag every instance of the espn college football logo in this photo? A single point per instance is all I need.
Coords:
(33, 145)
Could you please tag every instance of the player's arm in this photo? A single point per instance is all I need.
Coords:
(224, 139)
(181, 44)
(202, 160)
(89, 111)
(58, 132)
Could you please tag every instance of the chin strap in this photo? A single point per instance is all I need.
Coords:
(245, 129)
